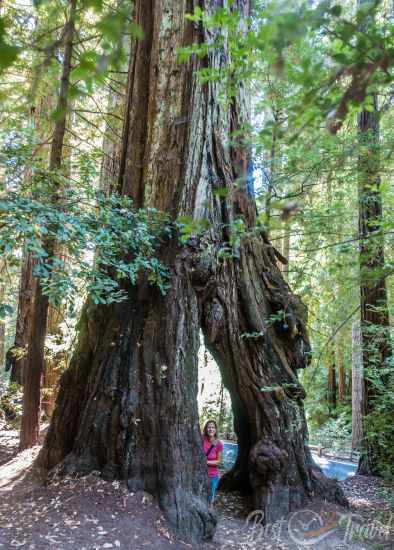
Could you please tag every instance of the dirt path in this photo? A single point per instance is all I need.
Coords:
(90, 514)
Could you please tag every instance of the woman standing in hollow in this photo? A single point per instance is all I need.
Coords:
(213, 449)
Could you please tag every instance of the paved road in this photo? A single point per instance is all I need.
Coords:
(337, 469)
(230, 452)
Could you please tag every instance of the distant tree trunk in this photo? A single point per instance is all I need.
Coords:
(39, 314)
(273, 162)
(331, 383)
(286, 249)
(349, 386)
(2, 343)
(375, 324)
(128, 403)
(17, 354)
(340, 361)
(357, 387)
(53, 360)
(221, 406)
(2, 327)
(112, 145)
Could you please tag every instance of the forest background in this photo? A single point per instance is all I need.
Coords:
(314, 69)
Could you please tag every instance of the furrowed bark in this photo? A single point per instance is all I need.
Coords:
(128, 404)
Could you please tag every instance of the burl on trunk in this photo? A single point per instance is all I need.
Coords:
(128, 403)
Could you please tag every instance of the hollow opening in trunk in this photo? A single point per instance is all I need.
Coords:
(219, 400)
(214, 403)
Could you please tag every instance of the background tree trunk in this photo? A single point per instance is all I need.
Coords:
(277, 116)
(128, 403)
(17, 355)
(2, 328)
(375, 323)
(53, 360)
(16, 358)
(331, 384)
(357, 386)
(112, 144)
(39, 314)
(220, 405)
(340, 361)
(286, 248)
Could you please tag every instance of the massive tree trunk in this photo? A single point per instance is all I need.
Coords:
(128, 403)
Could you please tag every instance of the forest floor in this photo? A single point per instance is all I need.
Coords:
(90, 514)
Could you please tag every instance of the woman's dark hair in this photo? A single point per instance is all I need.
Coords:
(205, 431)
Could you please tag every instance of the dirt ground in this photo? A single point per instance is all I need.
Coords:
(90, 513)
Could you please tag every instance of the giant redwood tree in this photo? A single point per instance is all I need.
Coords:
(128, 403)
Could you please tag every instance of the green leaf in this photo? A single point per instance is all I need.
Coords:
(8, 54)
(222, 192)
(196, 16)
(136, 30)
(336, 10)
(97, 5)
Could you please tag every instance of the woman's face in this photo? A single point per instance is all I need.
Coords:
(211, 430)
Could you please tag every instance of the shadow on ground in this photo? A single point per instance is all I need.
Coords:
(90, 513)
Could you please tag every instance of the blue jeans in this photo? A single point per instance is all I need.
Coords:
(214, 485)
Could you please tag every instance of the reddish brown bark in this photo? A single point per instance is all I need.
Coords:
(128, 403)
